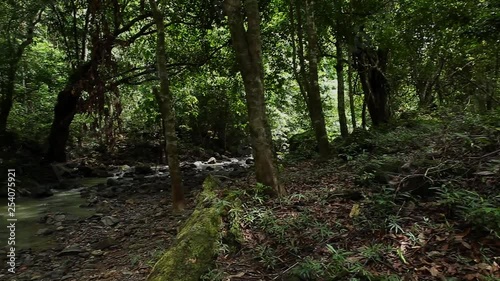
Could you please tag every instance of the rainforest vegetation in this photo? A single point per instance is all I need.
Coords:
(250, 140)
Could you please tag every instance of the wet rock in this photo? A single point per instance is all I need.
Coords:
(85, 171)
(44, 232)
(143, 170)
(104, 244)
(67, 185)
(110, 221)
(112, 182)
(97, 253)
(84, 254)
(60, 217)
(71, 251)
(212, 160)
(68, 277)
(249, 161)
(100, 172)
(93, 200)
(109, 193)
(100, 187)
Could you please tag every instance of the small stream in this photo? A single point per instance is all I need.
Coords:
(29, 211)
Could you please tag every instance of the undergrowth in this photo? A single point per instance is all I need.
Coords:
(419, 200)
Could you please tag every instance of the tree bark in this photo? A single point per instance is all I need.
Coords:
(371, 65)
(351, 93)
(165, 101)
(64, 112)
(6, 101)
(341, 89)
(247, 46)
(315, 104)
(307, 76)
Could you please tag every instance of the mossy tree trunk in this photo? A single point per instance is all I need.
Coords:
(164, 98)
(247, 45)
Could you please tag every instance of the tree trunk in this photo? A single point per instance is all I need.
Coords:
(315, 104)
(64, 112)
(247, 45)
(351, 93)
(371, 66)
(164, 98)
(340, 89)
(7, 98)
(7, 89)
(308, 80)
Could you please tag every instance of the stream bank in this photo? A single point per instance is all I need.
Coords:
(107, 231)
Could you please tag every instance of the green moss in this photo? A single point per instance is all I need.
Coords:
(193, 252)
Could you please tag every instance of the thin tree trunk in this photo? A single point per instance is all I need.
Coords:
(363, 114)
(7, 89)
(7, 99)
(340, 89)
(247, 45)
(315, 103)
(351, 93)
(164, 98)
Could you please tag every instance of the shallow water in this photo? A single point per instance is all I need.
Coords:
(29, 210)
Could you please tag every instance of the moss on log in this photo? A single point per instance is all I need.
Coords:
(193, 253)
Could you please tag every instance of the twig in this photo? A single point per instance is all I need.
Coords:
(486, 155)
(286, 270)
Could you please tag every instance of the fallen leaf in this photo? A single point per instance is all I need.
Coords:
(434, 271)
(466, 245)
(484, 266)
(354, 211)
(239, 275)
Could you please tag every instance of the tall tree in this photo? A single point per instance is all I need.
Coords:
(351, 90)
(247, 46)
(340, 88)
(307, 75)
(371, 64)
(18, 30)
(164, 98)
(89, 41)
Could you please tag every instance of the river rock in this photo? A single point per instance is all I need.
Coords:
(97, 253)
(110, 221)
(70, 251)
(44, 231)
(104, 244)
(60, 217)
(66, 185)
(85, 171)
(212, 160)
(112, 182)
(143, 170)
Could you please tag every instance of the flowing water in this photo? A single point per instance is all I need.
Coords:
(29, 211)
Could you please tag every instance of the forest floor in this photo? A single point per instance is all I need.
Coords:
(129, 231)
(418, 202)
